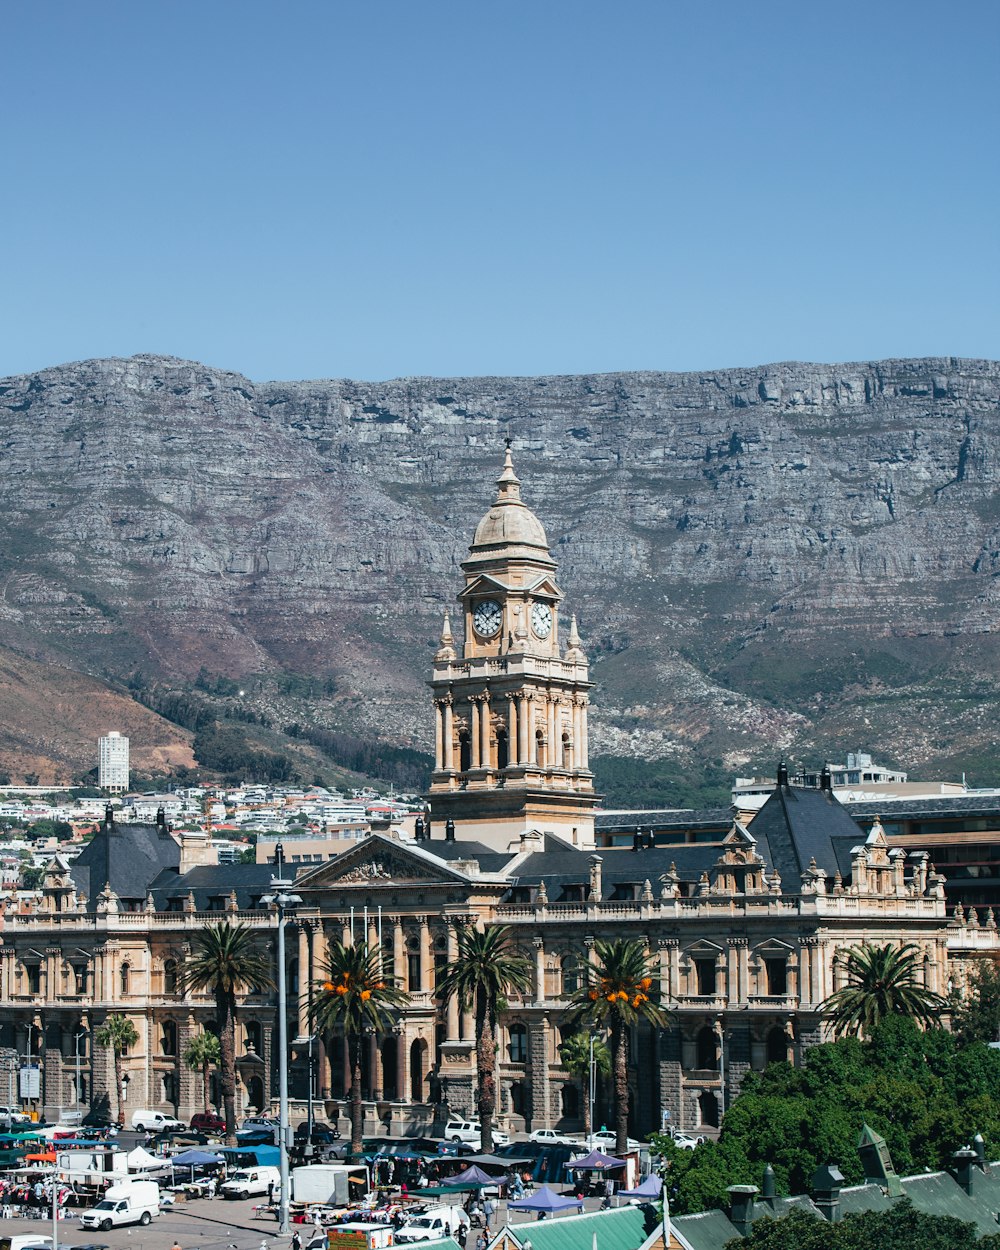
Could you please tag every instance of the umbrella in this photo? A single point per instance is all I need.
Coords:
(651, 1187)
(596, 1161)
(545, 1199)
(472, 1176)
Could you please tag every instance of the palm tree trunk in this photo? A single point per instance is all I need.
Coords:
(119, 1084)
(204, 1083)
(227, 1062)
(619, 1044)
(357, 1114)
(485, 1064)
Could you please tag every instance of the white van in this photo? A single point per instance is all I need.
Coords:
(433, 1224)
(248, 1182)
(154, 1122)
(134, 1203)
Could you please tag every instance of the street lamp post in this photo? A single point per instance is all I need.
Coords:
(284, 901)
(76, 1048)
(591, 1092)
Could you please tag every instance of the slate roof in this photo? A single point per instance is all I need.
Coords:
(488, 858)
(705, 1230)
(671, 818)
(942, 806)
(211, 881)
(798, 824)
(126, 857)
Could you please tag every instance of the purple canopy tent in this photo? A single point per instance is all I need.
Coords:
(651, 1187)
(545, 1199)
(596, 1161)
(472, 1176)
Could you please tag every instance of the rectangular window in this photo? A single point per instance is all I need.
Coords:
(705, 975)
(776, 975)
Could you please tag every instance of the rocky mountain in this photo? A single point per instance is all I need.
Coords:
(796, 557)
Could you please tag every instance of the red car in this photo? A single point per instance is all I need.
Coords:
(208, 1122)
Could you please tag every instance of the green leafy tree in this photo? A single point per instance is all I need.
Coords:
(881, 981)
(356, 996)
(224, 963)
(117, 1034)
(618, 991)
(575, 1055)
(976, 1014)
(901, 1225)
(486, 970)
(202, 1054)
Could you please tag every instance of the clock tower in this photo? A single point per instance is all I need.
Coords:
(511, 710)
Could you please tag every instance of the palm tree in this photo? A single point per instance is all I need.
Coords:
(358, 997)
(881, 981)
(575, 1055)
(226, 962)
(618, 990)
(485, 970)
(117, 1033)
(203, 1051)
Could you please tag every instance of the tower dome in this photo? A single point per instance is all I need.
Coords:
(510, 522)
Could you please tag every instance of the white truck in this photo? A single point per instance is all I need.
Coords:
(136, 1202)
(324, 1183)
(433, 1224)
(144, 1121)
(248, 1182)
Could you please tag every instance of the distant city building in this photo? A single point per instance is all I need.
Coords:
(112, 762)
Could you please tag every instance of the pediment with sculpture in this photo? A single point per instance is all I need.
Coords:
(380, 862)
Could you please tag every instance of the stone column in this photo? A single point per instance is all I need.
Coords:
(452, 1028)
(324, 1073)
(538, 1069)
(374, 1068)
(584, 748)
(426, 955)
(523, 724)
(449, 731)
(474, 731)
(485, 754)
(398, 953)
(303, 1023)
(402, 1092)
(438, 735)
(513, 728)
(539, 946)
(552, 755)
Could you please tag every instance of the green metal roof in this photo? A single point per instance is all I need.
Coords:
(938, 1193)
(707, 1230)
(623, 1229)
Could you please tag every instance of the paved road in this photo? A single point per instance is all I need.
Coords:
(202, 1224)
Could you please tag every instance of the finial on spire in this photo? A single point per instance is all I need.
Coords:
(508, 483)
(574, 649)
(446, 650)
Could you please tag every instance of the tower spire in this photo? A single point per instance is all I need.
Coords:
(508, 483)
(446, 649)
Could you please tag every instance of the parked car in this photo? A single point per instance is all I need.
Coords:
(434, 1223)
(146, 1121)
(260, 1136)
(321, 1133)
(260, 1121)
(552, 1137)
(135, 1203)
(605, 1141)
(248, 1182)
(208, 1122)
(472, 1131)
(180, 1138)
(686, 1141)
(13, 1115)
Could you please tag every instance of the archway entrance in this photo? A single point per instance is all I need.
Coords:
(418, 1070)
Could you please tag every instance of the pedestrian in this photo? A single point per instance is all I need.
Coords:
(270, 1193)
(296, 1240)
(176, 1245)
(480, 1242)
(489, 1210)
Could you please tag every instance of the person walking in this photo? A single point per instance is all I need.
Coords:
(489, 1210)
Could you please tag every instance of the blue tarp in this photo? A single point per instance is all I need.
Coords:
(596, 1161)
(651, 1187)
(195, 1158)
(248, 1156)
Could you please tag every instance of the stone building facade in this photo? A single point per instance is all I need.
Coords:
(748, 931)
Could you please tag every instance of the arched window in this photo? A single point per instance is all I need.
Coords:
(708, 1110)
(517, 1049)
(464, 751)
(170, 976)
(571, 977)
(124, 977)
(253, 1036)
(168, 1040)
(707, 1046)
(503, 757)
(539, 748)
(777, 1046)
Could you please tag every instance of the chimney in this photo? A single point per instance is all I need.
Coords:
(783, 775)
(979, 1146)
(964, 1168)
(418, 829)
(826, 1186)
(109, 816)
(826, 780)
(741, 1204)
(449, 830)
(767, 1188)
(636, 839)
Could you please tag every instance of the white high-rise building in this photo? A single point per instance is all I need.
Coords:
(112, 762)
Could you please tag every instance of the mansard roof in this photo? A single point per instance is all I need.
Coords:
(797, 825)
(211, 882)
(125, 857)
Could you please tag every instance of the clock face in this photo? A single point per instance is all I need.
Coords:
(541, 620)
(487, 618)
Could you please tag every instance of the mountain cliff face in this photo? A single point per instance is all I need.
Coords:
(793, 557)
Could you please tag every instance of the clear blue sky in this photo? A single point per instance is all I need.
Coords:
(396, 187)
